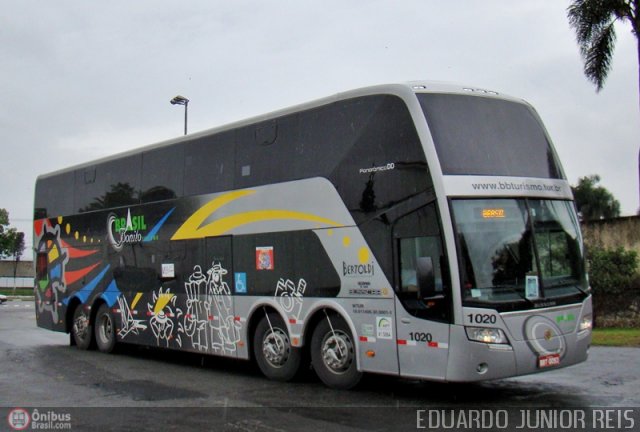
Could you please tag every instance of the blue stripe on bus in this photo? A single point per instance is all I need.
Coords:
(157, 227)
(111, 294)
(86, 291)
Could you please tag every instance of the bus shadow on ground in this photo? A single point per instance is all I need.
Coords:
(373, 390)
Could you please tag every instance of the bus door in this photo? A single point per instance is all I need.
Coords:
(222, 327)
(423, 300)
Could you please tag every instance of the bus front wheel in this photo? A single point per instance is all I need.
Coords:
(81, 329)
(333, 354)
(105, 331)
(276, 357)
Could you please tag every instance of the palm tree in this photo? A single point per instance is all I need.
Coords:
(593, 21)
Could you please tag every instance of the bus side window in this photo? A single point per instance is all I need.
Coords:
(410, 250)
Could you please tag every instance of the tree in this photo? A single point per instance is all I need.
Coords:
(11, 240)
(593, 22)
(593, 201)
(7, 235)
(121, 194)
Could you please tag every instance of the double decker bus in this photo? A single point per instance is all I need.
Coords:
(421, 230)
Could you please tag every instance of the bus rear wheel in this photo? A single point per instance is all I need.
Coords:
(333, 354)
(81, 329)
(276, 357)
(105, 331)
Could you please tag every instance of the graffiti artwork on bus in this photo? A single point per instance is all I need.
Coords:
(209, 321)
(194, 323)
(291, 296)
(162, 311)
(129, 324)
(52, 286)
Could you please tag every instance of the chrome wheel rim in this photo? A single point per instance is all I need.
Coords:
(276, 347)
(81, 326)
(337, 351)
(106, 328)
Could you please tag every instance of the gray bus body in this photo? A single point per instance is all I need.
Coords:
(422, 230)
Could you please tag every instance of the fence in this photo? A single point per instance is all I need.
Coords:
(621, 310)
(19, 282)
(613, 233)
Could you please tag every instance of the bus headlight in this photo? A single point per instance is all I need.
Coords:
(586, 323)
(486, 335)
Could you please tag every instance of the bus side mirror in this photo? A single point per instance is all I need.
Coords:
(426, 278)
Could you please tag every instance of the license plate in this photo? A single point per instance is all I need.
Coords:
(549, 360)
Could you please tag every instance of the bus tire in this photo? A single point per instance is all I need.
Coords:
(81, 329)
(276, 357)
(105, 331)
(333, 354)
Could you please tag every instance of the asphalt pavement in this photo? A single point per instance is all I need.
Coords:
(183, 391)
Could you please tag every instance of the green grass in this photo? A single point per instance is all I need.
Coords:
(19, 291)
(620, 337)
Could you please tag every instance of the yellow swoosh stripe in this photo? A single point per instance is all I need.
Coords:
(226, 224)
(191, 228)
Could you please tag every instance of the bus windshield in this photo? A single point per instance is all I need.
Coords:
(519, 251)
(477, 135)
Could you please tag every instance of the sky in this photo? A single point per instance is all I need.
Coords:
(82, 80)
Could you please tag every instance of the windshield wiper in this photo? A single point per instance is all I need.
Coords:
(572, 284)
(511, 289)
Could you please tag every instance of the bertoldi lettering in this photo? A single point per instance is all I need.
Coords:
(354, 270)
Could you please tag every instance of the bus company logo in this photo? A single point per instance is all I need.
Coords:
(357, 270)
(19, 419)
(123, 231)
(544, 337)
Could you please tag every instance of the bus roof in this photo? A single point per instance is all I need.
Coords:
(402, 90)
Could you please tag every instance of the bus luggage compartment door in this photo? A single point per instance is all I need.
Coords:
(423, 346)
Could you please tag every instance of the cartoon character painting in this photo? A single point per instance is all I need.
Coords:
(52, 259)
(162, 314)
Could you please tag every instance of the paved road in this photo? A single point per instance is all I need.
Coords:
(186, 391)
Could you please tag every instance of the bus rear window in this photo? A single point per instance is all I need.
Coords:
(476, 135)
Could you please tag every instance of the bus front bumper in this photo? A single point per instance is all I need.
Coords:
(475, 361)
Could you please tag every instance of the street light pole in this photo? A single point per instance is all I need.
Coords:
(181, 100)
